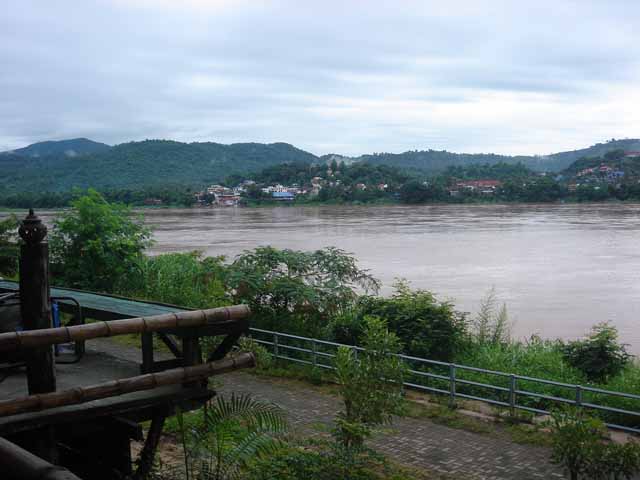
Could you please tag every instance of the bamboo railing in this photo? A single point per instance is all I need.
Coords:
(23, 465)
(43, 401)
(49, 336)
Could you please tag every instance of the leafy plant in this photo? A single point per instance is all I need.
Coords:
(235, 431)
(580, 446)
(370, 383)
(8, 246)
(574, 439)
(491, 325)
(428, 328)
(599, 355)
(264, 360)
(185, 279)
(97, 245)
(297, 291)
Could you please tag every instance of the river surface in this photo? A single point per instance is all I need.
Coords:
(559, 268)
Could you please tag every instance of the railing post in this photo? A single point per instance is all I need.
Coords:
(314, 353)
(512, 394)
(35, 312)
(578, 396)
(275, 344)
(452, 385)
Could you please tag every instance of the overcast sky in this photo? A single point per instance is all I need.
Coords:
(347, 77)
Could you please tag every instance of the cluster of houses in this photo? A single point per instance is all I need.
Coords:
(483, 187)
(596, 175)
(230, 197)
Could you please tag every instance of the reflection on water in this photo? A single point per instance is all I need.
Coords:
(559, 268)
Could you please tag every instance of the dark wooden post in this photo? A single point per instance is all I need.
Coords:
(36, 314)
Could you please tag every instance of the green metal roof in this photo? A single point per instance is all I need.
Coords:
(119, 306)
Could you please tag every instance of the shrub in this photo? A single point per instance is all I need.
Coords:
(319, 461)
(370, 383)
(264, 360)
(295, 291)
(599, 355)
(347, 327)
(580, 446)
(428, 328)
(185, 279)
(96, 245)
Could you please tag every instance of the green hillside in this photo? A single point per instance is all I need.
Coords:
(434, 161)
(138, 165)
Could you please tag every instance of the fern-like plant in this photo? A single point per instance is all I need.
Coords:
(235, 431)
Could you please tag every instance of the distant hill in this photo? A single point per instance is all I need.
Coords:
(562, 160)
(60, 166)
(433, 161)
(138, 165)
(70, 148)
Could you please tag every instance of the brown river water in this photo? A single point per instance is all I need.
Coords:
(558, 268)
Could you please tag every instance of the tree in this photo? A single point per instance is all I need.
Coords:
(96, 244)
(370, 383)
(417, 192)
(297, 291)
(8, 246)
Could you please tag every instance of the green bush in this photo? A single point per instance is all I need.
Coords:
(97, 245)
(297, 292)
(346, 327)
(370, 383)
(599, 355)
(428, 328)
(580, 445)
(185, 279)
(324, 461)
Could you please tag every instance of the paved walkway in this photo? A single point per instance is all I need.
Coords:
(417, 443)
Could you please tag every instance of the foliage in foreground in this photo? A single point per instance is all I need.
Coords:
(428, 328)
(185, 279)
(581, 448)
(326, 461)
(97, 245)
(234, 432)
(370, 383)
(297, 291)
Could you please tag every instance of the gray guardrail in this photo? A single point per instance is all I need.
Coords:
(514, 389)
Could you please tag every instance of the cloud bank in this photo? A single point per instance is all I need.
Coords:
(349, 77)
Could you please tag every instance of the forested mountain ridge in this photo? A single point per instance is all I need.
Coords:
(434, 161)
(137, 165)
(71, 148)
(51, 167)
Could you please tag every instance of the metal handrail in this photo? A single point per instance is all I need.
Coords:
(514, 395)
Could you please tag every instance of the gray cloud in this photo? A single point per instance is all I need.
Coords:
(350, 77)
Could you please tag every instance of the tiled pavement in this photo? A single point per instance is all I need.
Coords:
(417, 443)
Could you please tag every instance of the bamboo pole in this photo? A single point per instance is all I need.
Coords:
(114, 388)
(49, 336)
(18, 464)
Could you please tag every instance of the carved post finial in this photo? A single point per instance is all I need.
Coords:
(32, 230)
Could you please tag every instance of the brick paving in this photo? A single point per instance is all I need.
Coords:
(417, 443)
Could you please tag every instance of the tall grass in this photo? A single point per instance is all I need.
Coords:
(185, 279)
